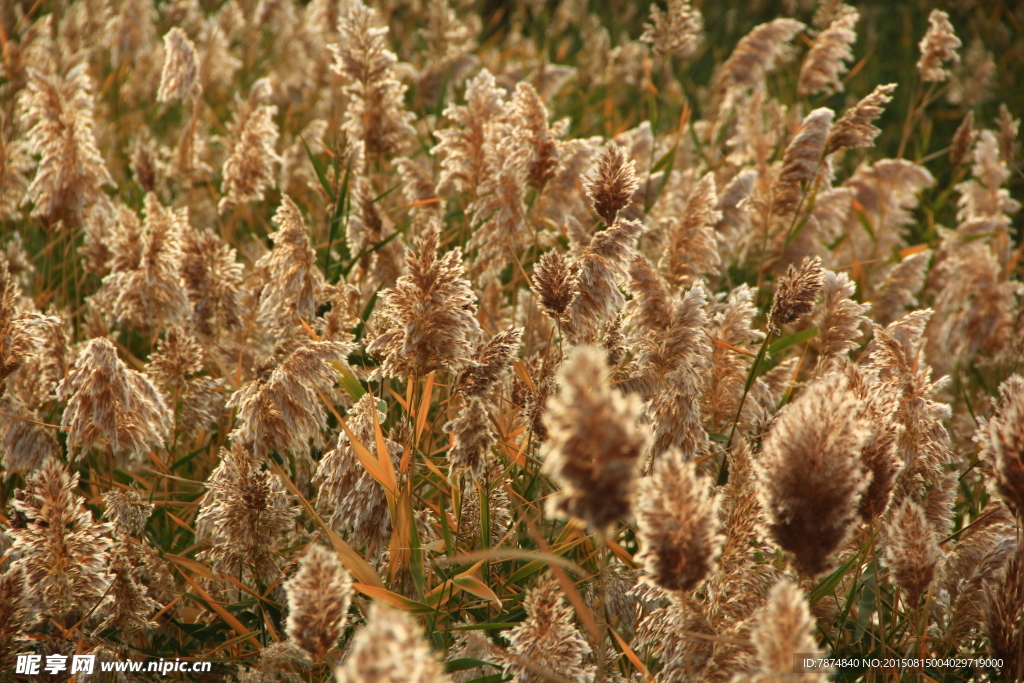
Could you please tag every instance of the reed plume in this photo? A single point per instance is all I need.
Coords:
(376, 114)
(938, 47)
(213, 282)
(596, 443)
(802, 163)
(429, 316)
(293, 279)
(1003, 444)
(810, 473)
(797, 291)
(913, 551)
(145, 280)
(462, 149)
(179, 79)
(612, 182)
(249, 169)
(390, 649)
(676, 32)
(472, 438)
(15, 166)
(348, 497)
(60, 548)
(676, 525)
(282, 411)
(546, 642)
(556, 283)
(111, 404)
(755, 56)
(692, 243)
(17, 615)
(826, 60)
(783, 630)
(57, 113)
(854, 128)
(840, 320)
(245, 516)
(491, 360)
(127, 511)
(318, 598)
(963, 141)
(1004, 618)
(900, 288)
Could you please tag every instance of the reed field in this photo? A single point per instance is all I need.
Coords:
(472, 341)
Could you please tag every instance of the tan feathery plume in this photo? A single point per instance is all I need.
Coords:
(179, 79)
(472, 441)
(963, 141)
(318, 597)
(900, 288)
(597, 445)
(546, 642)
(676, 525)
(755, 55)
(802, 162)
(429, 316)
(598, 267)
(1003, 444)
(784, 629)
(108, 402)
(213, 281)
(15, 166)
(1008, 127)
(529, 118)
(57, 113)
(796, 293)
(692, 244)
(732, 322)
(144, 276)
(840, 321)
(283, 412)
(672, 348)
(461, 149)
(376, 113)
(913, 551)
(175, 366)
(556, 283)
(1004, 618)
(245, 516)
(369, 230)
(249, 168)
(62, 551)
(390, 649)
(810, 473)
(938, 46)
(612, 182)
(854, 128)
(293, 278)
(878, 456)
(17, 615)
(450, 44)
(127, 511)
(127, 606)
(15, 334)
(675, 32)
(348, 497)
(826, 60)
(492, 358)
(984, 196)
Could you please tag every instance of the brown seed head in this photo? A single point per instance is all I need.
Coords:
(610, 186)
(797, 291)
(675, 32)
(677, 522)
(826, 61)
(855, 127)
(913, 551)
(318, 599)
(390, 649)
(1004, 444)
(782, 629)
(939, 45)
(179, 79)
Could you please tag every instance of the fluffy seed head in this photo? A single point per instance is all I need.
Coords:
(1004, 443)
(826, 61)
(611, 184)
(318, 599)
(473, 439)
(783, 629)
(546, 641)
(676, 32)
(854, 128)
(596, 442)
(810, 473)
(556, 283)
(179, 79)
(802, 162)
(390, 649)
(676, 524)
(938, 46)
(797, 291)
(913, 550)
